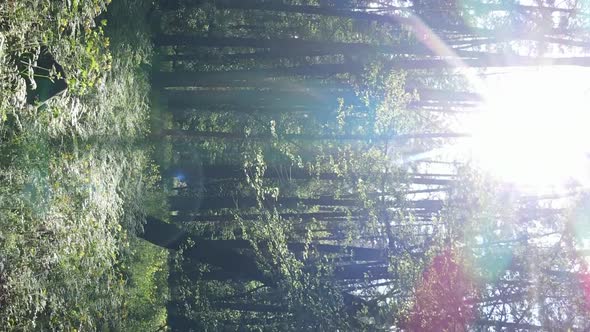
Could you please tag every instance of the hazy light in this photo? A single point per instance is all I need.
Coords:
(534, 130)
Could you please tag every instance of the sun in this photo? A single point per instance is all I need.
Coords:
(534, 127)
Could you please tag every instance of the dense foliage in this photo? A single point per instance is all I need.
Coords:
(74, 171)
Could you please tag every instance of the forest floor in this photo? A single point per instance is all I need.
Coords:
(76, 177)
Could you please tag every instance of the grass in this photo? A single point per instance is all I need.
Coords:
(76, 177)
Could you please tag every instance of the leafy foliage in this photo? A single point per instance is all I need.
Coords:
(75, 177)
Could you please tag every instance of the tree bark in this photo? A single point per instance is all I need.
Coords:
(335, 215)
(251, 307)
(306, 137)
(279, 47)
(269, 101)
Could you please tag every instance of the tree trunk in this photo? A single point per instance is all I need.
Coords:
(335, 215)
(390, 19)
(308, 137)
(508, 325)
(269, 101)
(280, 47)
(251, 307)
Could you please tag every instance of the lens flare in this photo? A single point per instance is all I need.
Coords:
(533, 131)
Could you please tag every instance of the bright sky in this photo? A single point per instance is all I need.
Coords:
(534, 130)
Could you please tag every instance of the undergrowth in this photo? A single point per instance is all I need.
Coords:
(76, 177)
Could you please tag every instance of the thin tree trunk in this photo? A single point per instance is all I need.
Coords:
(279, 47)
(299, 216)
(509, 325)
(251, 307)
(310, 137)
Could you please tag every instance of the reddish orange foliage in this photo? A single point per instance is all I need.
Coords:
(443, 300)
(585, 285)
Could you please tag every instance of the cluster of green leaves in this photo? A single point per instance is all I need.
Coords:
(146, 289)
(75, 173)
(67, 29)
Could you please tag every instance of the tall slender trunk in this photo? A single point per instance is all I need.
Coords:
(260, 100)
(304, 216)
(251, 307)
(181, 203)
(184, 203)
(277, 47)
(509, 325)
(308, 137)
